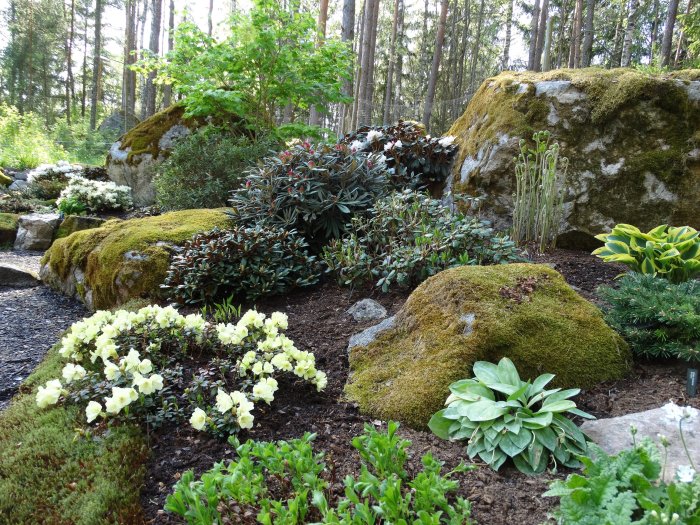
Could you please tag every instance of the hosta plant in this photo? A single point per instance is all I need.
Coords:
(246, 263)
(666, 251)
(315, 190)
(156, 365)
(287, 483)
(504, 417)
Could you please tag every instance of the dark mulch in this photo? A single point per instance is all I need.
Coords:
(318, 323)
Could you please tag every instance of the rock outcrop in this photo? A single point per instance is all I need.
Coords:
(36, 231)
(525, 312)
(122, 260)
(632, 140)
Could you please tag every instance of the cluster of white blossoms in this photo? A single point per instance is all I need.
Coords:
(446, 141)
(61, 167)
(261, 348)
(96, 195)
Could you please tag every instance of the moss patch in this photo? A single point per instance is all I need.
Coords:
(49, 473)
(76, 223)
(8, 228)
(4, 179)
(122, 260)
(145, 136)
(405, 374)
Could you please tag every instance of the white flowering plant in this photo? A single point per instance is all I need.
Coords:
(46, 181)
(415, 160)
(95, 195)
(156, 365)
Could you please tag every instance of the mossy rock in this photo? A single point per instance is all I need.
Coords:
(4, 179)
(526, 312)
(122, 260)
(632, 140)
(8, 228)
(76, 223)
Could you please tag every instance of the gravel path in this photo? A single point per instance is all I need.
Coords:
(31, 321)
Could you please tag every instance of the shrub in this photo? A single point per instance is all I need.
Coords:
(96, 196)
(626, 488)
(46, 182)
(24, 141)
(408, 237)
(204, 166)
(244, 262)
(539, 194)
(314, 190)
(415, 161)
(504, 417)
(659, 319)
(671, 253)
(147, 361)
(382, 493)
(20, 202)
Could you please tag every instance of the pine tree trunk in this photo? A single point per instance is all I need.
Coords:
(437, 55)
(96, 65)
(70, 82)
(154, 47)
(210, 23)
(365, 84)
(533, 35)
(681, 37)
(314, 114)
(577, 23)
(654, 37)
(348, 36)
(398, 71)
(668, 33)
(541, 34)
(616, 56)
(509, 29)
(546, 55)
(392, 57)
(475, 49)
(587, 51)
(167, 88)
(629, 34)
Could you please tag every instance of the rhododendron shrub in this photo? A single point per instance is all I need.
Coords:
(156, 365)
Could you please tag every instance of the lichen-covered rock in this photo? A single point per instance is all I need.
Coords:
(525, 312)
(8, 228)
(122, 260)
(131, 158)
(36, 231)
(632, 139)
(4, 179)
(76, 223)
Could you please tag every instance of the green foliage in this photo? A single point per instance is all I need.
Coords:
(658, 319)
(539, 194)
(669, 252)
(504, 417)
(314, 190)
(269, 59)
(382, 493)
(204, 166)
(71, 206)
(247, 263)
(223, 312)
(415, 161)
(24, 141)
(407, 237)
(625, 489)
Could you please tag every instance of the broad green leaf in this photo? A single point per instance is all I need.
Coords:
(484, 410)
(558, 406)
(486, 372)
(539, 384)
(440, 425)
(507, 373)
(539, 421)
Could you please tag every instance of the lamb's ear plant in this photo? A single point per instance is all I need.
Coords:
(504, 417)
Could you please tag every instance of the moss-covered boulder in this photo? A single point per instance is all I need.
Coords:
(5, 180)
(525, 312)
(122, 260)
(8, 228)
(76, 223)
(632, 139)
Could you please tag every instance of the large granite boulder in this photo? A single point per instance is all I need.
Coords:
(526, 312)
(632, 139)
(122, 260)
(36, 231)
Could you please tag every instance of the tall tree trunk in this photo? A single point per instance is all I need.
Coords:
(654, 37)
(561, 31)
(668, 33)
(314, 115)
(629, 34)
(371, 69)
(616, 56)
(392, 56)
(467, 20)
(347, 31)
(129, 76)
(541, 34)
(97, 60)
(360, 59)
(398, 68)
(587, 51)
(547, 53)
(437, 55)
(83, 91)
(534, 23)
(575, 49)
(70, 82)
(167, 88)
(475, 49)
(365, 82)
(681, 37)
(210, 22)
(509, 29)
(154, 47)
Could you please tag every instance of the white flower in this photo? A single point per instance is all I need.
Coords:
(238, 397)
(398, 144)
(357, 145)
(245, 420)
(685, 473)
(446, 141)
(198, 419)
(148, 385)
(49, 394)
(121, 397)
(258, 368)
(321, 380)
(92, 410)
(279, 319)
(145, 366)
(71, 372)
(131, 361)
(265, 390)
(224, 403)
(111, 371)
(675, 414)
(388, 146)
(374, 135)
(281, 362)
(252, 319)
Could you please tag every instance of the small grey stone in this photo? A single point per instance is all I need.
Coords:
(20, 175)
(15, 277)
(468, 320)
(36, 231)
(18, 185)
(367, 310)
(613, 434)
(366, 337)
(135, 256)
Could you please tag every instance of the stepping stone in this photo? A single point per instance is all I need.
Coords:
(613, 434)
(367, 310)
(15, 277)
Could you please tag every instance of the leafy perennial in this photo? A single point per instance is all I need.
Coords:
(504, 417)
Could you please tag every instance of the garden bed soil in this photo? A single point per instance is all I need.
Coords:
(318, 322)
